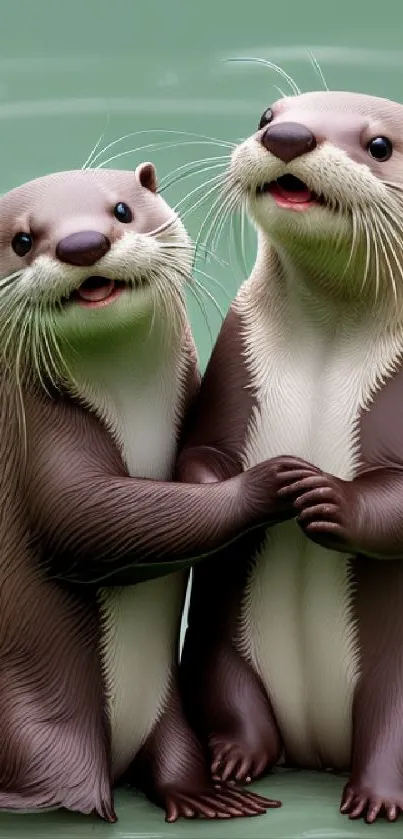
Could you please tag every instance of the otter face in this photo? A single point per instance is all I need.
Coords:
(86, 254)
(326, 168)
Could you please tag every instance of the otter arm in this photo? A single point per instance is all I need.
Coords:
(97, 525)
(226, 703)
(216, 428)
(377, 513)
(362, 516)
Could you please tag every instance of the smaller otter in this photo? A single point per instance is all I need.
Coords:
(302, 653)
(97, 369)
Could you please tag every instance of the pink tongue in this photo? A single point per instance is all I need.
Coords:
(300, 197)
(94, 294)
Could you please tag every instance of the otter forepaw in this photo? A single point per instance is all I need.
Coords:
(234, 761)
(215, 803)
(360, 802)
(323, 506)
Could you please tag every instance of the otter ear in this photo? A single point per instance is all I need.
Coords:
(147, 176)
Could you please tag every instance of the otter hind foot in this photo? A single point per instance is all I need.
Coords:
(215, 803)
(365, 802)
(233, 760)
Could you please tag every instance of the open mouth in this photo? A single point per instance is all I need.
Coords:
(97, 291)
(290, 193)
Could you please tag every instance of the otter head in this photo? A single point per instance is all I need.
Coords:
(87, 257)
(322, 179)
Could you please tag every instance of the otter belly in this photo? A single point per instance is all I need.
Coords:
(139, 624)
(303, 643)
(298, 625)
(140, 641)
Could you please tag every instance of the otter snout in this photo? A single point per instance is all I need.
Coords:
(288, 140)
(84, 248)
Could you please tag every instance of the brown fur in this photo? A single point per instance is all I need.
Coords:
(72, 519)
(318, 138)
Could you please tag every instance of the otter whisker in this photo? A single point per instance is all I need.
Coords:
(211, 255)
(156, 147)
(239, 241)
(391, 214)
(206, 169)
(46, 364)
(168, 245)
(170, 293)
(203, 311)
(63, 371)
(18, 377)
(10, 278)
(354, 222)
(197, 189)
(233, 244)
(48, 346)
(97, 144)
(394, 186)
(379, 230)
(8, 334)
(157, 296)
(192, 166)
(212, 279)
(209, 295)
(216, 233)
(318, 68)
(214, 211)
(212, 140)
(293, 85)
(191, 281)
(386, 230)
(367, 235)
(377, 263)
(214, 188)
(228, 206)
(164, 303)
(280, 91)
(163, 228)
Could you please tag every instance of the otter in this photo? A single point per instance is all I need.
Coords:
(301, 658)
(97, 370)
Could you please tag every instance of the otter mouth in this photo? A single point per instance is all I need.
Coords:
(97, 291)
(290, 193)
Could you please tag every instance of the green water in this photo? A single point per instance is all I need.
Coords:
(70, 70)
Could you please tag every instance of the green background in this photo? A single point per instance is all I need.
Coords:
(71, 68)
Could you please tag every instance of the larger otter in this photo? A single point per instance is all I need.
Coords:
(97, 367)
(302, 653)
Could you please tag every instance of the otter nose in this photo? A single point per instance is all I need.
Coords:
(84, 248)
(288, 140)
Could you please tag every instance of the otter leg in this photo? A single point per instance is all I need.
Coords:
(375, 787)
(171, 770)
(225, 700)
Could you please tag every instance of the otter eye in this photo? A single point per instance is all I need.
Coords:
(22, 243)
(265, 118)
(123, 213)
(380, 148)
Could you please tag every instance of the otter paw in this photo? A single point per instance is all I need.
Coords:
(359, 802)
(234, 761)
(322, 504)
(215, 803)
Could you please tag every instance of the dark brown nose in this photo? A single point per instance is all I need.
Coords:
(84, 248)
(288, 140)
